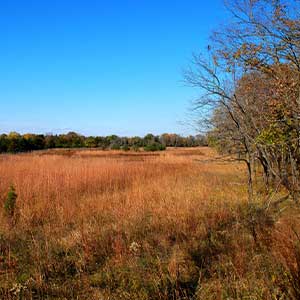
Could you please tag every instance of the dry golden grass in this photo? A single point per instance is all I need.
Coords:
(74, 187)
(128, 225)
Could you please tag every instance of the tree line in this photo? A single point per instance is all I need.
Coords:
(15, 142)
(250, 90)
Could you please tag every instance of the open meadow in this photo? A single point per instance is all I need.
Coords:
(176, 224)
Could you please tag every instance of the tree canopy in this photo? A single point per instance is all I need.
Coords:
(15, 142)
(250, 89)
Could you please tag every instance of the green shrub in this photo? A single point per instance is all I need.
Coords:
(155, 147)
(115, 147)
(125, 148)
(10, 203)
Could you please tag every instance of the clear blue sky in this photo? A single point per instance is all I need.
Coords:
(99, 66)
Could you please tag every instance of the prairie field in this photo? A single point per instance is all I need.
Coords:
(176, 224)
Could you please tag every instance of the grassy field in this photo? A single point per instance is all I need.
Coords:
(93, 224)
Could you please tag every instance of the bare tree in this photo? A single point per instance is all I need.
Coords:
(250, 89)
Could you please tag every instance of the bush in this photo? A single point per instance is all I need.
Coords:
(125, 148)
(115, 147)
(10, 203)
(155, 147)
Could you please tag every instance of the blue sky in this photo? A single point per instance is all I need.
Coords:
(100, 67)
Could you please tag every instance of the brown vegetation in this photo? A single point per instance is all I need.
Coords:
(170, 226)
(249, 83)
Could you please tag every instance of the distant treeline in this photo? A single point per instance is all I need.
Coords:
(15, 142)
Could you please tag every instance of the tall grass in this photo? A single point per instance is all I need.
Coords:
(112, 225)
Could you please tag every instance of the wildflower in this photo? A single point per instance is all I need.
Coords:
(134, 248)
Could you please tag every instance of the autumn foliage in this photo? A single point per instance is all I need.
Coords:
(250, 89)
